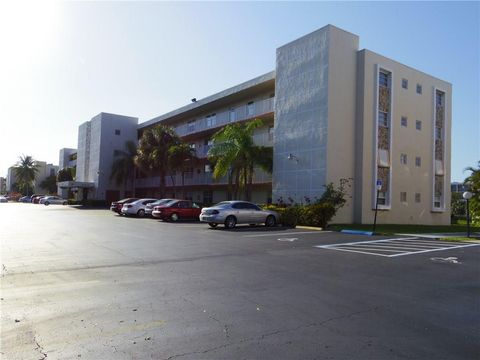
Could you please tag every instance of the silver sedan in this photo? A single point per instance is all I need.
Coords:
(47, 200)
(231, 213)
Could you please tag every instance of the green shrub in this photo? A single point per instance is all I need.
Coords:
(317, 214)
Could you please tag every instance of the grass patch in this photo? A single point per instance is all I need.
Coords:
(461, 238)
(405, 229)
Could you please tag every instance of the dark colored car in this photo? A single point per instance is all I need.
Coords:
(117, 205)
(177, 209)
(36, 199)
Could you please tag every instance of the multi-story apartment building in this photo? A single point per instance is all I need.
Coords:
(67, 158)
(197, 122)
(11, 179)
(98, 141)
(331, 111)
(44, 170)
(3, 185)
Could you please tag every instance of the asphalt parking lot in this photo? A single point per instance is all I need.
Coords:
(92, 285)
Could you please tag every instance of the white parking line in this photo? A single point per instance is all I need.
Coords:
(292, 233)
(398, 246)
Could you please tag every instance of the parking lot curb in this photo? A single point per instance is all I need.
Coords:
(310, 228)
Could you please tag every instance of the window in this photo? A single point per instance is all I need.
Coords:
(250, 108)
(383, 158)
(403, 197)
(403, 159)
(418, 161)
(52, 172)
(189, 196)
(439, 97)
(270, 133)
(418, 198)
(189, 173)
(117, 131)
(208, 168)
(381, 198)
(191, 126)
(383, 118)
(211, 120)
(404, 121)
(419, 89)
(405, 83)
(438, 133)
(437, 201)
(192, 146)
(208, 197)
(418, 125)
(383, 79)
(232, 115)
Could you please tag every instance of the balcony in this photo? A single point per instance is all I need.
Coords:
(197, 179)
(243, 112)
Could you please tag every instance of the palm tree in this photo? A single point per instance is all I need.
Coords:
(235, 155)
(123, 167)
(181, 157)
(25, 172)
(473, 182)
(152, 154)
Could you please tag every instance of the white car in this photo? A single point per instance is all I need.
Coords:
(149, 207)
(137, 207)
(3, 199)
(47, 200)
(231, 213)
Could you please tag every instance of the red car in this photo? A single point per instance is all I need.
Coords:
(177, 209)
(117, 205)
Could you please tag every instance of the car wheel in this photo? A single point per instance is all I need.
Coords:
(212, 225)
(230, 222)
(270, 221)
(174, 217)
(141, 213)
(47, 203)
(65, 203)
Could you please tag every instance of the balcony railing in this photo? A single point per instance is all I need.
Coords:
(198, 179)
(222, 118)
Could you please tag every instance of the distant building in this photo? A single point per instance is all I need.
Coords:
(98, 140)
(11, 179)
(67, 158)
(3, 185)
(459, 187)
(44, 170)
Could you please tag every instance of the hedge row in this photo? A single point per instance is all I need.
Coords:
(318, 214)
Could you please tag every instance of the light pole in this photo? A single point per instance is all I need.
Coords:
(467, 195)
(379, 187)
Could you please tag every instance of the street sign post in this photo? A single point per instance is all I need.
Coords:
(379, 187)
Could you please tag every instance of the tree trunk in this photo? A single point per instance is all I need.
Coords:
(237, 183)
(183, 185)
(173, 184)
(229, 188)
(245, 182)
(162, 183)
(250, 183)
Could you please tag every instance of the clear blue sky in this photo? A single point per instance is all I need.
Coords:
(62, 63)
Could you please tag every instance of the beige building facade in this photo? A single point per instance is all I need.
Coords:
(332, 112)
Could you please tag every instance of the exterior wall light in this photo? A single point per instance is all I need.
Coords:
(292, 157)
